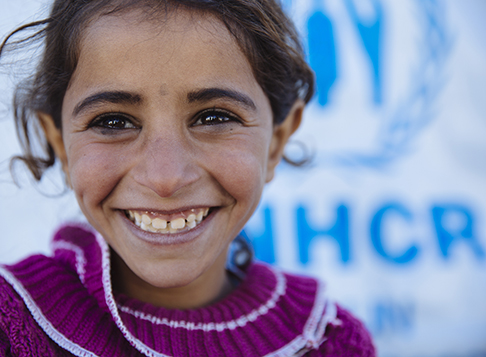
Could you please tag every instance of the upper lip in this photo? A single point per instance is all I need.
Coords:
(168, 211)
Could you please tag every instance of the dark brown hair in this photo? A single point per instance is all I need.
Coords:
(264, 33)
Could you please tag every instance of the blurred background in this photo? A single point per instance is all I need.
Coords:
(391, 212)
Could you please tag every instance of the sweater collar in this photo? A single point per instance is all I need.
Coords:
(269, 314)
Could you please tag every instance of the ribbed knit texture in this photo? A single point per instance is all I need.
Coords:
(50, 304)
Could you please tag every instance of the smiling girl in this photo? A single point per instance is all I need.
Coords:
(168, 118)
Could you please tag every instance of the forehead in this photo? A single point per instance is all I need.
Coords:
(176, 49)
(134, 26)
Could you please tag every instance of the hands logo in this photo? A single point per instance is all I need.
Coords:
(379, 67)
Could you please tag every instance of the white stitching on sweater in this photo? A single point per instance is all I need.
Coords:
(80, 258)
(290, 349)
(329, 316)
(218, 326)
(314, 328)
(110, 301)
(43, 322)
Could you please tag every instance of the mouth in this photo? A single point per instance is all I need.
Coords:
(155, 222)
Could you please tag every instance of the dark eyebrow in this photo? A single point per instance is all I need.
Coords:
(207, 94)
(107, 97)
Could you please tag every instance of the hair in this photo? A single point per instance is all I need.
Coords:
(264, 33)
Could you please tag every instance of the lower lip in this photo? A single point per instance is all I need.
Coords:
(167, 238)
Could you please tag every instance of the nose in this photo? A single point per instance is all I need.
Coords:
(166, 164)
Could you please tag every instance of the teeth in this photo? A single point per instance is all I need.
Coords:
(178, 223)
(159, 225)
(144, 226)
(146, 219)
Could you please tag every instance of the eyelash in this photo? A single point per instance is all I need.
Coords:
(112, 121)
(218, 116)
(102, 122)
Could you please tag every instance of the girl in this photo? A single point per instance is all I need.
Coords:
(168, 118)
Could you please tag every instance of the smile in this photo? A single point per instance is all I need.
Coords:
(157, 223)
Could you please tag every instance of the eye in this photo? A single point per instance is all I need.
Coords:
(114, 121)
(215, 117)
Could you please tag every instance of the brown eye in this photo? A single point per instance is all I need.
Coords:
(214, 117)
(113, 121)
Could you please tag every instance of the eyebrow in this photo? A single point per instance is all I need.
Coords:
(115, 97)
(207, 94)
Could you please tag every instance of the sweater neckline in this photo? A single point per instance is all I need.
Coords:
(272, 285)
(270, 313)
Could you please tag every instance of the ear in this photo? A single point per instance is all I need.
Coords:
(54, 138)
(281, 135)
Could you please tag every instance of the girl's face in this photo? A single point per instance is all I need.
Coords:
(166, 121)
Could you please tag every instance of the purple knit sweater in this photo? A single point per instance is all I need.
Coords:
(64, 305)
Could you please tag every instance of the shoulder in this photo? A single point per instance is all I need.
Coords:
(19, 333)
(345, 336)
(33, 278)
(335, 330)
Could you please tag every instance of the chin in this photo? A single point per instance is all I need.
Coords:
(176, 276)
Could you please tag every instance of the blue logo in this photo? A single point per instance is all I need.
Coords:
(352, 48)
(389, 115)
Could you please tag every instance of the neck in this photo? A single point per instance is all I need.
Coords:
(209, 288)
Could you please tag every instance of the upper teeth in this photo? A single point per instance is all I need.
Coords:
(151, 223)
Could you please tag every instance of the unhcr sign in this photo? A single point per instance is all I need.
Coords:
(391, 212)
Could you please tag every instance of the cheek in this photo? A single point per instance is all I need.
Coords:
(94, 172)
(240, 169)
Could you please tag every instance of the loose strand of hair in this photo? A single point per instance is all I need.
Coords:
(6, 42)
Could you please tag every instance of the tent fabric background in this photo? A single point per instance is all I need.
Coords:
(392, 211)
